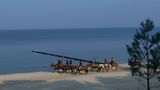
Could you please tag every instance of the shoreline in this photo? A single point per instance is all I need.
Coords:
(113, 80)
(46, 75)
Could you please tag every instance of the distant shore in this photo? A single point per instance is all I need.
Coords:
(114, 80)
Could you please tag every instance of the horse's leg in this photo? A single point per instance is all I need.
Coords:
(86, 70)
(72, 70)
(101, 69)
(78, 70)
(116, 66)
(58, 70)
(75, 70)
(63, 69)
(111, 67)
(98, 69)
(55, 69)
(107, 67)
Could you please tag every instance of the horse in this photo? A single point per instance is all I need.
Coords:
(71, 68)
(98, 67)
(115, 64)
(57, 66)
(92, 66)
(82, 68)
(67, 68)
(108, 67)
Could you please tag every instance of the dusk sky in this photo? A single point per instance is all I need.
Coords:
(52, 14)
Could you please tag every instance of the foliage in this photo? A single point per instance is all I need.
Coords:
(145, 49)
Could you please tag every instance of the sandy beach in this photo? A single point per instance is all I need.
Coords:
(114, 80)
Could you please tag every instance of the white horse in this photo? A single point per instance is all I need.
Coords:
(100, 67)
(108, 67)
(105, 67)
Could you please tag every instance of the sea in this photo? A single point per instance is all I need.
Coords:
(16, 47)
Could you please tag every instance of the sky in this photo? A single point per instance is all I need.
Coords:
(53, 14)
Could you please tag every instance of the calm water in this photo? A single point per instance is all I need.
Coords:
(16, 46)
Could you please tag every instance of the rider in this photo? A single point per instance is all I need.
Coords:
(70, 62)
(80, 63)
(59, 61)
(94, 61)
(112, 60)
(67, 62)
(105, 61)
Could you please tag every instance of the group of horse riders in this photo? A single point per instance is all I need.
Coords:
(69, 66)
(92, 65)
(68, 62)
(107, 65)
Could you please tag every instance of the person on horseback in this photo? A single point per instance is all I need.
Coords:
(113, 63)
(112, 60)
(80, 63)
(67, 62)
(105, 61)
(70, 62)
(94, 61)
(59, 61)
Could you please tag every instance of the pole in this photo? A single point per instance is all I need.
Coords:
(76, 59)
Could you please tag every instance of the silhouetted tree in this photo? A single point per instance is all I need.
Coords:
(145, 49)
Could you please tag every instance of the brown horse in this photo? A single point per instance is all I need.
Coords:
(70, 68)
(82, 68)
(66, 68)
(114, 64)
(57, 66)
(92, 66)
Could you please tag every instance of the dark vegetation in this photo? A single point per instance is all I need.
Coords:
(144, 53)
